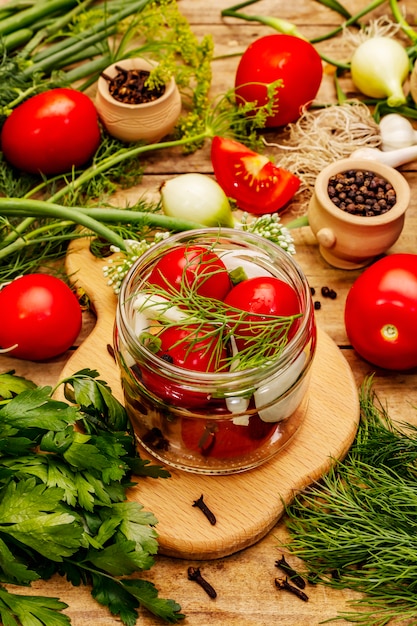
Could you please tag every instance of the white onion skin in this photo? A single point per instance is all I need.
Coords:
(198, 198)
(379, 67)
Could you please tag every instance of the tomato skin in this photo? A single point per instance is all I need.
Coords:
(262, 296)
(193, 268)
(220, 439)
(275, 57)
(51, 132)
(251, 179)
(187, 347)
(381, 313)
(41, 314)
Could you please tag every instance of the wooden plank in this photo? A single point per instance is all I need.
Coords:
(244, 581)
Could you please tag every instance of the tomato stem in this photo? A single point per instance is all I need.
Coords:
(389, 332)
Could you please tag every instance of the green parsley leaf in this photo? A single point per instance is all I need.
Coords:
(123, 597)
(120, 559)
(96, 399)
(136, 525)
(33, 515)
(14, 571)
(112, 594)
(11, 385)
(17, 610)
(82, 455)
(34, 408)
(147, 595)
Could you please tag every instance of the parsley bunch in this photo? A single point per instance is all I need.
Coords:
(63, 506)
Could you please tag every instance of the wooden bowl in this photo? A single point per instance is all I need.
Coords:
(349, 241)
(148, 122)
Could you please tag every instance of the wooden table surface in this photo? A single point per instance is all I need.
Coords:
(245, 581)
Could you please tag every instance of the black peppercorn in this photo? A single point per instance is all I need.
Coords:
(362, 193)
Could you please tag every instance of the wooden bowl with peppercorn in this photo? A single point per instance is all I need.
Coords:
(357, 211)
(129, 109)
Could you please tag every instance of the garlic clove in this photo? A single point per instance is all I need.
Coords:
(396, 132)
(393, 158)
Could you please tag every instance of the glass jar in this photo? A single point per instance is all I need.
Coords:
(234, 420)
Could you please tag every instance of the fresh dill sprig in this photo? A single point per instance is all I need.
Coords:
(357, 528)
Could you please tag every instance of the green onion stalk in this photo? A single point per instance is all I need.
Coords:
(78, 34)
(289, 28)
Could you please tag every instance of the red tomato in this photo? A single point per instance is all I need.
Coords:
(40, 315)
(223, 439)
(189, 347)
(279, 57)
(251, 179)
(262, 297)
(193, 268)
(381, 313)
(51, 132)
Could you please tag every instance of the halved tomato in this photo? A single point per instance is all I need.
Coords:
(251, 179)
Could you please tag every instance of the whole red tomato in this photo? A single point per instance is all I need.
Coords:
(261, 297)
(192, 268)
(381, 313)
(251, 179)
(191, 347)
(40, 316)
(279, 57)
(51, 132)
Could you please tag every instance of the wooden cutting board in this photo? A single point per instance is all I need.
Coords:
(246, 505)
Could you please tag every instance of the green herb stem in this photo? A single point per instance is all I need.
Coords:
(400, 19)
(336, 6)
(29, 16)
(16, 39)
(54, 28)
(278, 24)
(281, 25)
(92, 219)
(20, 207)
(90, 68)
(349, 22)
(156, 220)
(106, 26)
(119, 157)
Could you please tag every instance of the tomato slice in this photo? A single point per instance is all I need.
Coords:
(223, 439)
(251, 179)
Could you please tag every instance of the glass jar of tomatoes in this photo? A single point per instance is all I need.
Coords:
(215, 336)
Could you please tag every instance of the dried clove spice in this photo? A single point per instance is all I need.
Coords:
(155, 439)
(291, 573)
(195, 574)
(110, 350)
(129, 86)
(282, 583)
(200, 504)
